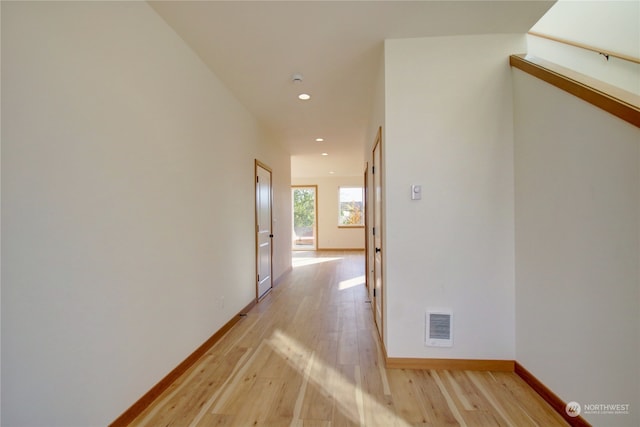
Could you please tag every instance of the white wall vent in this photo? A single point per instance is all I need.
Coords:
(439, 328)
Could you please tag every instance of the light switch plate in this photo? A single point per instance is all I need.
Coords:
(416, 192)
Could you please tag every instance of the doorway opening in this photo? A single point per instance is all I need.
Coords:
(305, 214)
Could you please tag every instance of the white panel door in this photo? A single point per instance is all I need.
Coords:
(264, 234)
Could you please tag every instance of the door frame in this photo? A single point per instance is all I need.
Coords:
(378, 297)
(258, 164)
(367, 283)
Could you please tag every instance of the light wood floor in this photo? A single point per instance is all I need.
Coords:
(308, 355)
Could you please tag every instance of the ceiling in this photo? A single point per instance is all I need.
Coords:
(255, 47)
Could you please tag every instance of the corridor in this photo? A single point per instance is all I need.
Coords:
(308, 355)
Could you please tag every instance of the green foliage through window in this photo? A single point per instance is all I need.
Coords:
(351, 206)
(303, 207)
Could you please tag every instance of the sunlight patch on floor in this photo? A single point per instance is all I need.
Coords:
(350, 283)
(303, 261)
(330, 381)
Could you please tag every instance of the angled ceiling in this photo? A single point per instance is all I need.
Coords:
(255, 47)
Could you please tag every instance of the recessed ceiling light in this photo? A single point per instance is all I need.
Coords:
(331, 172)
(319, 139)
(325, 154)
(304, 96)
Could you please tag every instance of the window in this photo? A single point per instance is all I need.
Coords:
(351, 207)
(304, 201)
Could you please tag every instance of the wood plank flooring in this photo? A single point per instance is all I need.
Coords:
(308, 355)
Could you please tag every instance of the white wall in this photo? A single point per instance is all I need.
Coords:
(330, 236)
(577, 248)
(128, 208)
(607, 25)
(449, 128)
(577, 214)
(376, 123)
(280, 163)
(0, 240)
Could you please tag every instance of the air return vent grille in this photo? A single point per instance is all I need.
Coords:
(439, 328)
